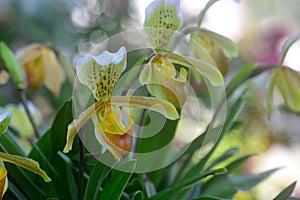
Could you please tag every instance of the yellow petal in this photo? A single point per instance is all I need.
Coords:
(205, 69)
(53, 70)
(3, 181)
(158, 105)
(76, 124)
(110, 120)
(26, 163)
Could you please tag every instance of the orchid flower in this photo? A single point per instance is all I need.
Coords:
(19, 120)
(41, 67)
(163, 18)
(100, 74)
(213, 48)
(26, 163)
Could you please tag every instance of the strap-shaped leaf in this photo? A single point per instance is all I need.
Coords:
(26, 163)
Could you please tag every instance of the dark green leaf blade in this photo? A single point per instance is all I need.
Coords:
(286, 193)
(117, 183)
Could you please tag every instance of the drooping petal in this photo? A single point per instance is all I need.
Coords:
(53, 70)
(100, 73)
(158, 105)
(208, 71)
(26, 163)
(287, 81)
(163, 17)
(4, 122)
(76, 124)
(228, 47)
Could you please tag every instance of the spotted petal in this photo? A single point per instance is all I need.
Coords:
(100, 73)
(163, 17)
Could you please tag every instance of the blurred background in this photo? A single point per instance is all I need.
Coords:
(258, 27)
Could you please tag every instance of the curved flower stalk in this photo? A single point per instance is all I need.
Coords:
(26, 163)
(100, 74)
(41, 67)
(163, 18)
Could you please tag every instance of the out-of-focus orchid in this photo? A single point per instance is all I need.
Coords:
(41, 67)
(100, 74)
(287, 81)
(162, 19)
(12, 66)
(19, 119)
(213, 48)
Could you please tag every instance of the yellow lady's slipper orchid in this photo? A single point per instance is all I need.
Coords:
(100, 74)
(42, 67)
(162, 19)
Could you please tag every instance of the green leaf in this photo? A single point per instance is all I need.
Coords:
(223, 157)
(209, 198)
(117, 183)
(226, 189)
(138, 195)
(247, 182)
(161, 20)
(18, 194)
(286, 193)
(60, 126)
(286, 47)
(12, 66)
(242, 75)
(227, 125)
(165, 194)
(98, 174)
(4, 122)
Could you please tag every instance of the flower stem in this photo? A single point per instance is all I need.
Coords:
(80, 165)
(23, 99)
